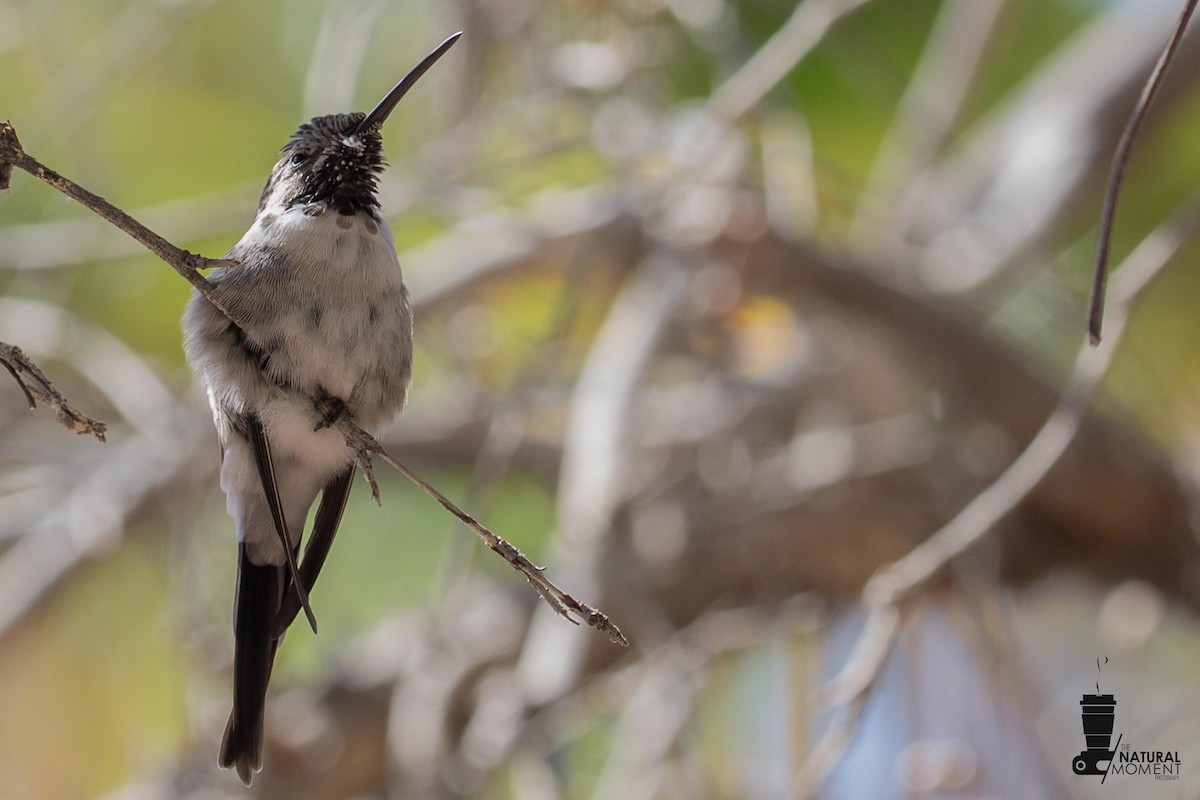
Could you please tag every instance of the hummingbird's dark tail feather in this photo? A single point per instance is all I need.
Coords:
(259, 591)
(325, 525)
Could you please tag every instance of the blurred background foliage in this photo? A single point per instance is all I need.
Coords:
(723, 305)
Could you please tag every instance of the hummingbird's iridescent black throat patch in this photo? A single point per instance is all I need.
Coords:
(321, 163)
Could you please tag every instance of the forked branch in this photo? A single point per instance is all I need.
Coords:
(33, 382)
(37, 386)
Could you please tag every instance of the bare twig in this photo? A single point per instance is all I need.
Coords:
(848, 693)
(29, 377)
(928, 108)
(37, 386)
(1116, 176)
(563, 603)
(73, 242)
(774, 60)
(891, 585)
(597, 443)
(187, 264)
(599, 434)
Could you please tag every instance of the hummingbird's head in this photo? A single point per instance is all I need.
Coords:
(328, 161)
(334, 160)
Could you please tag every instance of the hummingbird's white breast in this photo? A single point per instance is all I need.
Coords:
(326, 311)
(340, 315)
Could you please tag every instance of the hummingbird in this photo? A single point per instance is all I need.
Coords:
(324, 329)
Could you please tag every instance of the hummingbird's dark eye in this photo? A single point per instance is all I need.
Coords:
(299, 158)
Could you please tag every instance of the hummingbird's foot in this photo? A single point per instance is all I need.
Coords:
(331, 410)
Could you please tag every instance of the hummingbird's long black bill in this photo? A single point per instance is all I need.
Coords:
(381, 111)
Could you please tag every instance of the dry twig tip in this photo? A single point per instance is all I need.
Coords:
(37, 386)
(1117, 174)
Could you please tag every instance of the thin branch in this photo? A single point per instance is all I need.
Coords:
(72, 242)
(1116, 176)
(12, 356)
(29, 377)
(37, 386)
(848, 694)
(563, 603)
(187, 264)
(928, 108)
(782, 52)
(86, 504)
(891, 585)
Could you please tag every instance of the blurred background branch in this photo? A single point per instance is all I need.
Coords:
(724, 305)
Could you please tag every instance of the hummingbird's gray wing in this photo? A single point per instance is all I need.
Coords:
(325, 526)
(259, 591)
(261, 446)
